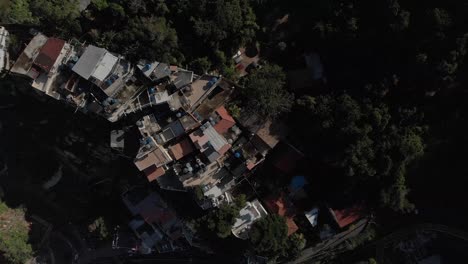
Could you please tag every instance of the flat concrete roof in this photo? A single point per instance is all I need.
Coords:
(105, 66)
(89, 61)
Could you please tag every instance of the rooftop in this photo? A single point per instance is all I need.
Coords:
(247, 216)
(49, 53)
(210, 142)
(3, 48)
(189, 122)
(269, 133)
(161, 70)
(105, 66)
(312, 216)
(172, 130)
(280, 206)
(214, 99)
(181, 149)
(25, 60)
(117, 139)
(199, 89)
(225, 120)
(347, 216)
(182, 78)
(157, 157)
(88, 62)
(152, 173)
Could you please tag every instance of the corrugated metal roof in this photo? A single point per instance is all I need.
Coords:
(49, 53)
(216, 140)
(88, 61)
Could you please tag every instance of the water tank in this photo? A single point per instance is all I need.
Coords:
(179, 115)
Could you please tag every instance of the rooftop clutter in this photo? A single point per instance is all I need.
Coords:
(188, 138)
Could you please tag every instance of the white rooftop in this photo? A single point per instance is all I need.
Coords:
(252, 212)
(161, 97)
(3, 37)
(105, 66)
(312, 216)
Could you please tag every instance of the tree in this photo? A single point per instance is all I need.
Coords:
(200, 65)
(265, 93)
(14, 235)
(61, 15)
(296, 243)
(224, 24)
(100, 228)
(220, 220)
(151, 38)
(117, 10)
(363, 140)
(269, 236)
(440, 18)
(16, 11)
(100, 4)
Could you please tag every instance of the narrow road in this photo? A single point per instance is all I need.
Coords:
(312, 252)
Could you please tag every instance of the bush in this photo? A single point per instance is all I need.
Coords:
(14, 235)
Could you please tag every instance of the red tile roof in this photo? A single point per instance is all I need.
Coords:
(181, 149)
(279, 206)
(226, 121)
(152, 172)
(49, 53)
(348, 216)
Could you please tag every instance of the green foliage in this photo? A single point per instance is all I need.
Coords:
(117, 10)
(199, 193)
(100, 4)
(151, 38)
(200, 65)
(269, 236)
(365, 141)
(296, 243)
(265, 92)
(234, 110)
(59, 15)
(232, 20)
(366, 236)
(220, 220)
(14, 235)
(100, 228)
(16, 11)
